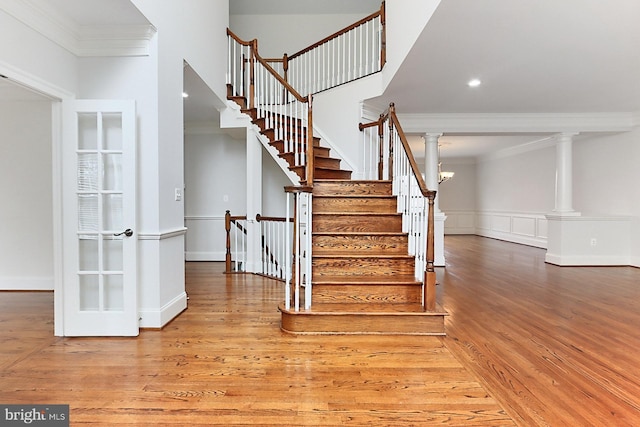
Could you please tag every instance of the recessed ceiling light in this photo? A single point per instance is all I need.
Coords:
(185, 95)
(474, 83)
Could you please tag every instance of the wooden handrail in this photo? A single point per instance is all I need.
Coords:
(255, 56)
(429, 280)
(254, 48)
(341, 32)
(272, 218)
(412, 161)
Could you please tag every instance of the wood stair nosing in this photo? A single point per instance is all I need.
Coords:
(351, 320)
(272, 135)
(320, 172)
(365, 223)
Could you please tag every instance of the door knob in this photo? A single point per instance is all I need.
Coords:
(128, 232)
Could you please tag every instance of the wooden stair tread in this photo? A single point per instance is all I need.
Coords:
(359, 213)
(363, 256)
(397, 279)
(415, 309)
(355, 196)
(359, 233)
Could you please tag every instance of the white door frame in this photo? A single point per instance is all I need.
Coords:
(57, 96)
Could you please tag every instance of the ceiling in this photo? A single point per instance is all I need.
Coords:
(532, 56)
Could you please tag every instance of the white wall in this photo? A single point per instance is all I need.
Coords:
(457, 197)
(192, 31)
(215, 167)
(301, 30)
(274, 199)
(26, 213)
(514, 191)
(634, 194)
(215, 181)
(605, 173)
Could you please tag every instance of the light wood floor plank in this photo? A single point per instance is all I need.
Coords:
(224, 361)
(555, 345)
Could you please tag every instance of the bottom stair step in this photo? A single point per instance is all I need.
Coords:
(360, 319)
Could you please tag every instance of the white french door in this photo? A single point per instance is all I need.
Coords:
(99, 218)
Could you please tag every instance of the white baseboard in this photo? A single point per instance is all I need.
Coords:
(26, 283)
(204, 256)
(159, 318)
(514, 238)
(583, 260)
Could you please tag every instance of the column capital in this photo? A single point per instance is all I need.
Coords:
(431, 136)
(565, 136)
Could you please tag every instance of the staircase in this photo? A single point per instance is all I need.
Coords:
(359, 274)
(325, 166)
(363, 278)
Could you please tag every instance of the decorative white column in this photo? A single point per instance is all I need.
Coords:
(564, 224)
(564, 175)
(431, 164)
(431, 179)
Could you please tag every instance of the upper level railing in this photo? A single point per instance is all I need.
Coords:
(389, 157)
(272, 99)
(354, 52)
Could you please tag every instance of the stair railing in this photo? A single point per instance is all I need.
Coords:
(354, 52)
(270, 98)
(298, 274)
(273, 241)
(236, 244)
(388, 156)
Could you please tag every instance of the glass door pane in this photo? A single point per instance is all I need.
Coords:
(100, 212)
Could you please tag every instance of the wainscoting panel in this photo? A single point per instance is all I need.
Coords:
(460, 222)
(518, 227)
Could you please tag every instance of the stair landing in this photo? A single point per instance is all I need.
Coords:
(363, 319)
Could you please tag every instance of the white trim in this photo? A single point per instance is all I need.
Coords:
(26, 283)
(57, 96)
(159, 318)
(588, 218)
(107, 40)
(526, 228)
(538, 144)
(584, 260)
(204, 217)
(215, 256)
(34, 83)
(516, 122)
(162, 235)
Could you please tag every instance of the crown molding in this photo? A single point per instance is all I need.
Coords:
(108, 40)
(519, 122)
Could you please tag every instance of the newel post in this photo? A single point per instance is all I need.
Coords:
(430, 272)
(392, 115)
(227, 227)
(285, 67)
(310, 159)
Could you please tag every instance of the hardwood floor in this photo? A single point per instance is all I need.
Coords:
(226, 362)
(555, 346)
